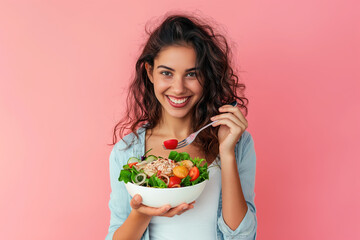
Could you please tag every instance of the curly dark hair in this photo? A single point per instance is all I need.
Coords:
(213, 64)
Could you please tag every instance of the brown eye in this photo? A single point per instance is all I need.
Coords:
(166, 73)
(192, 74)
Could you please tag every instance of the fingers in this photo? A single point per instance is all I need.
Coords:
(184, 209)
(230, 121)
(230, 116)
(160, 211)
(178, 210)
(234, 110)
(234, 128)
(136, 201)
(231, 113)
(166, 211)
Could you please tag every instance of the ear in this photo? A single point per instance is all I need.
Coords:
(149, 70)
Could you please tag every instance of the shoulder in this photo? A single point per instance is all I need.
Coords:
(126, 142)
(130, 140)
(129, 145)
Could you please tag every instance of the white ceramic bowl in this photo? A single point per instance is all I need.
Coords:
(158, 197)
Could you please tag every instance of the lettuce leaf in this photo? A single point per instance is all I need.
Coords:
(156, 182)
(186, 181)
(125, 176)
(176, 156)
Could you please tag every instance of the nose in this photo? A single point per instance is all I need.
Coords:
(178, 85)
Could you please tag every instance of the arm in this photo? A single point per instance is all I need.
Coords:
(133, 227)
(123, 220)
(246, 163)
(238, 217)
(234, 206)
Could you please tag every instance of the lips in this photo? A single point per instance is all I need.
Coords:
(178, 101)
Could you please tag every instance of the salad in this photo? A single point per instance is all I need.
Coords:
(177, 170)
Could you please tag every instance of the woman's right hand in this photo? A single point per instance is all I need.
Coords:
(165, 211)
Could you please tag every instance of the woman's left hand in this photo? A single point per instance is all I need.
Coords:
(232, 125)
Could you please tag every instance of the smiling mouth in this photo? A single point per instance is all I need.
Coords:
(178, 100)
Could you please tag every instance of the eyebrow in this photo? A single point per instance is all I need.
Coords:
(187, 70)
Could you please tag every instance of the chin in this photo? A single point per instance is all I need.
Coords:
(179, 115)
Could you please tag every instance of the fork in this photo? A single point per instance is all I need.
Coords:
(193, 135)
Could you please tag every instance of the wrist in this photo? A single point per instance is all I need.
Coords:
(227, 152)
(226, 155)
(227, 148)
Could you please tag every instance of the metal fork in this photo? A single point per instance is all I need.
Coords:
(192, 136)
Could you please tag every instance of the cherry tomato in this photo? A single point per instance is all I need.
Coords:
(194, 173)
(171, 144)
(132, 164)
(174, 181)
(180, 171)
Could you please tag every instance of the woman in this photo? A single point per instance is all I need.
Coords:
(183, 81)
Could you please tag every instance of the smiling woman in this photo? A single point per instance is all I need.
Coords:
(183, 80)
(175, 83)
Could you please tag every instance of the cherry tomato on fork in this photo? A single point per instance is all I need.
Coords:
(171, 143)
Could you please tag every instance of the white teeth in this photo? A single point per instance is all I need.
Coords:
(178, 101)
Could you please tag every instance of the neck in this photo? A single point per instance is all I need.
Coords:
(171, 127)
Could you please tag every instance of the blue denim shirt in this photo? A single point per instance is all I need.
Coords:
(119, 203)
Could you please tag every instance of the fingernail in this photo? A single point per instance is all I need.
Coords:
(212, 118)
(185, 207)
(137, 198)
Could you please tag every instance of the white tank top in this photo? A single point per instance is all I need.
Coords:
(197, 223)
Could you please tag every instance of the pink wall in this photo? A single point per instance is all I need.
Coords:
(63, 69)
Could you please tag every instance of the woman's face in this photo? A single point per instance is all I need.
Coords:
(175, 80)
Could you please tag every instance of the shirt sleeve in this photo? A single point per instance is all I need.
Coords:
(246, 160)
(118, 203)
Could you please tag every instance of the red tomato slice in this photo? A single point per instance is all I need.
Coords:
(174, 181)
(194, 173)
(171, 144)
(132, 164)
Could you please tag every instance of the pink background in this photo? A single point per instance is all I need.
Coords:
(64, 66)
